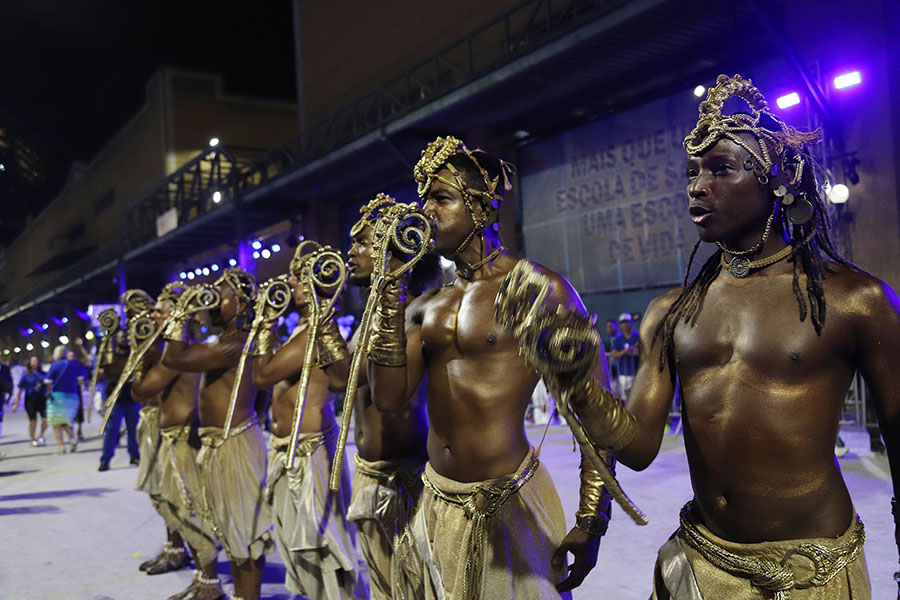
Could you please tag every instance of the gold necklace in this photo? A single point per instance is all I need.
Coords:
(466, 270)
(740, 266)
(758, 245)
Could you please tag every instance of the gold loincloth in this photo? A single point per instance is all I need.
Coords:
(491, 539)
(235, 474)
(316, 544)
(385, 494)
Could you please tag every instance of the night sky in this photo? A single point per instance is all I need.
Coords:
(72, 72)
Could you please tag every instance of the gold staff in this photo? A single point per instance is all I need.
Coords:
(322, 275)
(271, 301)
(402, 229)
(195, 299)
(557, 343)
(109, 323)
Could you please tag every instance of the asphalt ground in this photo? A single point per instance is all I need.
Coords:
(68, 531)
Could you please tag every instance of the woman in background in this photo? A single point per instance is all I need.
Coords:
(63, 382)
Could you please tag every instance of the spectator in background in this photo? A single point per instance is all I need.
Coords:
(625, 353)
(6, 389)
(63, 382)
(611, 333)
(125, 407)
(32, 385)
(79, 415)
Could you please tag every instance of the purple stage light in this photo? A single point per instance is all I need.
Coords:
(788, 100)
(23, 332)
(847, 80)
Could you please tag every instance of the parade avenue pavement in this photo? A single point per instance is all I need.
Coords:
(71, 532)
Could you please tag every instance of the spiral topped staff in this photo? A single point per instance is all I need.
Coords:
(563, 347)
(109, 323)
(402, 230)
(272, 299)
(322, 275)
(144, 333)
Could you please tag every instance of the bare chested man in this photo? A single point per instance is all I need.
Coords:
(234, 470)
(490, 523)
(179, 478)
(137, 304)
(391, 448)
(763, 372)
(316, 544)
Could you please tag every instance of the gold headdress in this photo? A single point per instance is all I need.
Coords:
(774, 142)
(171, 292)
(779, 161)
(436, 156)
(242, 282)
(136, 301)
(371, 212)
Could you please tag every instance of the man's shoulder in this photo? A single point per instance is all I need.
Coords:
(859, 292)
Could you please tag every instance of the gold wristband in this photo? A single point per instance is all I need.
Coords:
(265, 342)
(388, 343)
(330, 346)
(608, 425)
(175, 331)
(595, 503)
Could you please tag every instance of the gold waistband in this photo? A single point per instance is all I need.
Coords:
(306, 445)
(393, 474)
(215, 436)
(176, 432)
(778, 577)
(149, 411)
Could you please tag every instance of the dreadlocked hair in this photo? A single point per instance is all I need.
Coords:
(813, 255)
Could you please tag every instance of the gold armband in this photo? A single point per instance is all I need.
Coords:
(595, 503)
(388, 344)
(608, 425)
(265, 342)
(330, 346)
(175, 331)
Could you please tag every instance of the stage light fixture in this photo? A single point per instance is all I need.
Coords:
(45, 326)
(5, 351)
(65, 320)
(29, 347)
(301, 237)
(232, 262)
(198, 271)
(17, 349)
(213, 141)
(45, 344)
(699, 91)
(256, 255)
(30, 331)
(276, 248)
(217, 197)
(182, 275)
(205, 271)
(89, 334)
(214, 267)
(63, 339)
(256, 245)
(265, 253)
(788, 100)
(847, 80)
(839, 194)
(191, 275)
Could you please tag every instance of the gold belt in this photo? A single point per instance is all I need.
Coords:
(480, 505)
(774, 576)
(397, 475)
(307, 445)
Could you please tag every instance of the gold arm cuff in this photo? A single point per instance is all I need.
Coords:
(608, 425)
(330, 346)
(265, 342)
(388, 344)
(595, 503)
(175, 331)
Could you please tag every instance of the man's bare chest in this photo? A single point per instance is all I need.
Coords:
(758, 326)
(463, 319)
